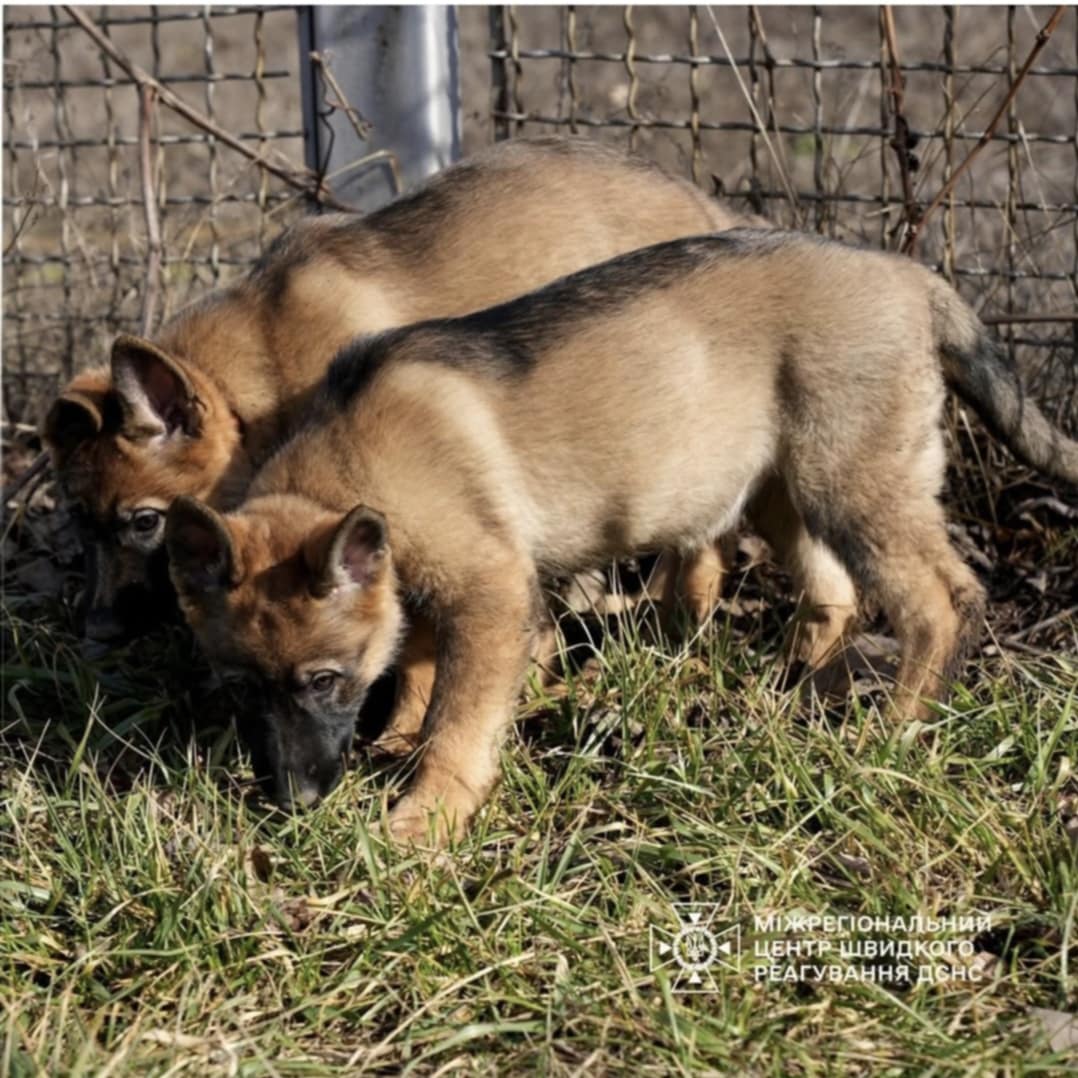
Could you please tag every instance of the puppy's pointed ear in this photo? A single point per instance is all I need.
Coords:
(355, 556)
(75, 417)
(154, 390)
(200, 552)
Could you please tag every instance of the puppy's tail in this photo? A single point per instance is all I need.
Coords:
(979, 371)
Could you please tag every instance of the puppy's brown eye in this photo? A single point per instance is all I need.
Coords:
(146, 521)
(323, 680)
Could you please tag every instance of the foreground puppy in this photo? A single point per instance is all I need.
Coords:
(198, 409)
(635, 405)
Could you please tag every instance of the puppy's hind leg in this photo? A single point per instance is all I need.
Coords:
(828, 600)
(692, 582)
(875, 506)
(901, 556)
(936, 605)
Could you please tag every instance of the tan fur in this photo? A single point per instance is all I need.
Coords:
(494, 226)
(637, 405)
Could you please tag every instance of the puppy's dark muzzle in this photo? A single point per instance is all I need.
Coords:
(305, 790)
(298, 758)
(103, 626)
(135, 610)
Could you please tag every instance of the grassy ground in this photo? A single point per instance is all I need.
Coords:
(157, 919)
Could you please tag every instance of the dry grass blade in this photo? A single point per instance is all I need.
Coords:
(787, 186)
(149, 205)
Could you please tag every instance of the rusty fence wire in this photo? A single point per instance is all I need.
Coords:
(82, 147)
(846, 121)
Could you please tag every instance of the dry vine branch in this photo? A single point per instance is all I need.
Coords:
(149, 204)
(362, 126)
(900, 140)
(1042, 38)
(301, 179)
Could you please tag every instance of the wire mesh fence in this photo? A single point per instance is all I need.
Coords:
(847, 121)
(820, 118)
(85, 151)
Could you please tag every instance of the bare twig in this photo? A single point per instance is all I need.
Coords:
(149, 204)
(16, 485)
(900, 140)
(1042, 39)
(360, 125)
(1061, 615)
(387, 156)
(1011, 319)
(1009, 644)
(302, 179)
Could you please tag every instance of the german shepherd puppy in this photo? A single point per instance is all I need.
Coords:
(198, 409)
(640, 404)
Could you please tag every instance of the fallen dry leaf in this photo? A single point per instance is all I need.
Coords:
(1061, 1027)
(261, 864)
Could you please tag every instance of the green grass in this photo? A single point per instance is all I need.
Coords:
(155, 918)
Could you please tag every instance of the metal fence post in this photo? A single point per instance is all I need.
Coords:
(397, 67)
(499, 83)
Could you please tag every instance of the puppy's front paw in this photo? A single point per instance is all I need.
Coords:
(429, 819)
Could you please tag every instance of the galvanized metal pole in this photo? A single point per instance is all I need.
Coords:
(499, 65)
(397, 67)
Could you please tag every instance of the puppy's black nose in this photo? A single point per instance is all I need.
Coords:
(307, 789)
(297, 795)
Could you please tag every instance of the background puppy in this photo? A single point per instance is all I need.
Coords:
(200, 407)
(549, 434)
